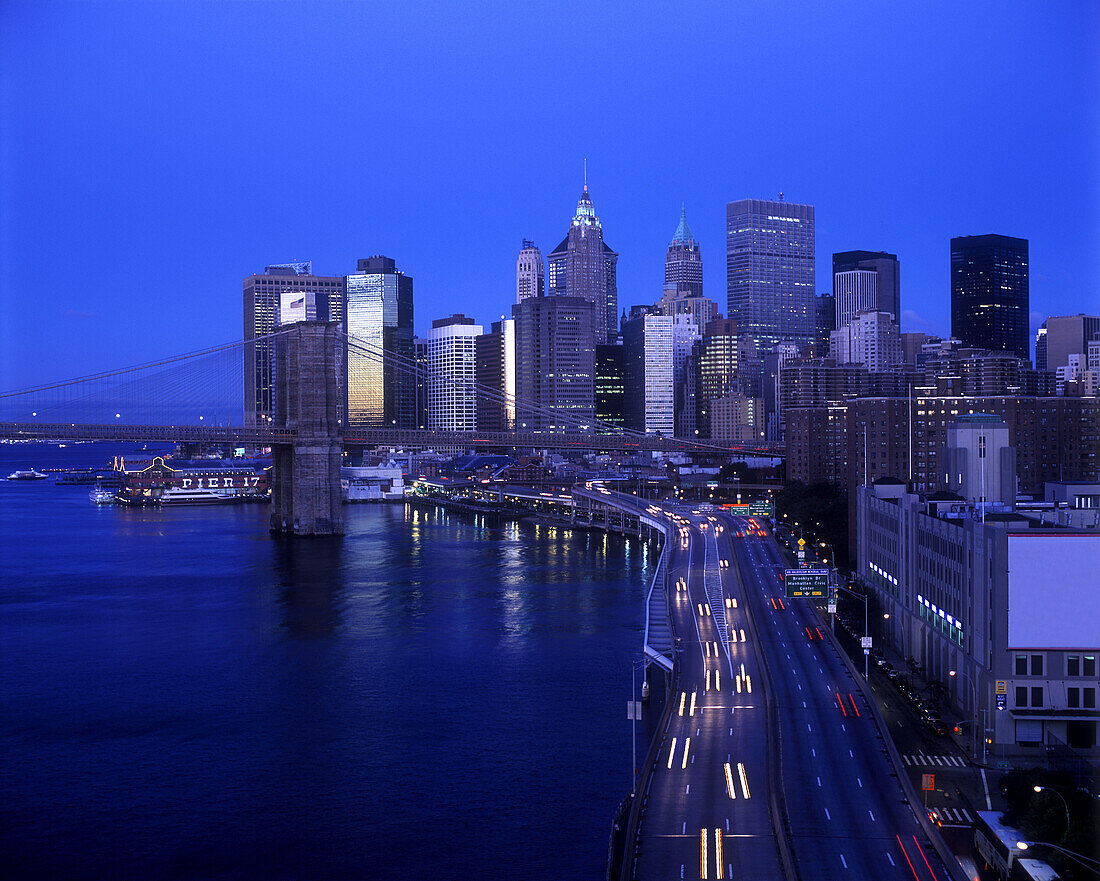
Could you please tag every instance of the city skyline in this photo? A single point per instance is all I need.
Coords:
(176, 186)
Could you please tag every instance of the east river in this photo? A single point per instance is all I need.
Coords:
(184, 696)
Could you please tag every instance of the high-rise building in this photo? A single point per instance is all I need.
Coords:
(610, 394)
(869, 338)
(685, 334)
(648, 374)
(584, 266)
(263, 308)
(824, 321)
(420, 408)
(1067, 335)
(770, 270)
(1041, 347)
(452, 398)
(381, 385)
(989, 293)
(700, 310)
(879, 292)
(683, 263)
(555, 363)
(716, 369)
(530, 272)
(737, 419)
(495, 368)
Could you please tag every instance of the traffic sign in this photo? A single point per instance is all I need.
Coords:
(1002, 701)
(928, 782)
(1002, 686)
(806, 583)
(865, 641)
(832, 608)
(802, 542)
(634, 710)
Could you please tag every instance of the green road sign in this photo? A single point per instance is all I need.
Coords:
(806, 583)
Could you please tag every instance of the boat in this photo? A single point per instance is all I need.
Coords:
(102, 496)
(27, 475)
(177, 495)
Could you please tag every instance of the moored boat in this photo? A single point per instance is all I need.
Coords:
(27, 475)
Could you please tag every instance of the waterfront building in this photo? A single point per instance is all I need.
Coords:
(555, 363)
(989, 293)
(683, 263)
(986, 597)
(381, 391)
(452, 396)
(770, 270)
(263, 310)
(866, 281)
(610, 392)
(530, 272)
(584, 266)
(495, 370)
(648, 374)
(869, 338)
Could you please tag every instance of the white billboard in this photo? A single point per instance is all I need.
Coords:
(1054, 590)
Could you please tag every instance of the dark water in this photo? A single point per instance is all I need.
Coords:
(183, 696)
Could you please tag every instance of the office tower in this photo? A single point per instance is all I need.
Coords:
(989, 293)
(648, 374)
(716, 369)
(584, 266)
(263, 299)
(420, 407)
(1067, 335)
(452, 398)
(824, 320)
(869, 338)
(770, 270)
(1041, 347)
(685, 334)
(555, 363)
(381, 385)
(610, 393)
(530, 273)
(495, 369)
(700, 310)
(683, 263)
(737, 419)
(878, 292)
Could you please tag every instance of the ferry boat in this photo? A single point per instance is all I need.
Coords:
(178, 495)
(27, 475)
(102, 496)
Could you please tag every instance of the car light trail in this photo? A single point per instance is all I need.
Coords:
(717, 678)
(738, 682)
(744, 779)
(748, 684)
(708, 608)
(708, 681)
(687, 746)
(854, 707)
(731, 790)
(702, 853)
(692, 713)
(671, 753)
(718, 853)
(742, 634)
(683, 700)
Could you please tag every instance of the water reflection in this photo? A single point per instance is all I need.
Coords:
(309, 580)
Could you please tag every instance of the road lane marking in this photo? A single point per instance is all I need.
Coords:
(843, 862)
(859, 780)
(671, 753)
(818, 781)
(813, 751)
(827, 817)
(872, 815)
(891, 859)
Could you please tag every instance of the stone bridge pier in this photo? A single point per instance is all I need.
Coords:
(305, 482)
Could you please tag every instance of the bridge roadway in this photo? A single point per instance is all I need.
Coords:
(356, 436)
(846, 809)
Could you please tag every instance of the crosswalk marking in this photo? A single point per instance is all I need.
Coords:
(941, 761)
(956, 815)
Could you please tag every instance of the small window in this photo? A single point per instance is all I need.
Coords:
(1021, 665)
(1073, 665)
(1073, 698)
(1088, 665)
(1037, 696)
(1021, 695)
(1089, 695)
(1036, 665)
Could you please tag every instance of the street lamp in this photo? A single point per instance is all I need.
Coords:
(974, 707)
(1065, 804)
(866, 629)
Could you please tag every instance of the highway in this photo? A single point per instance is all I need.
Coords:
(846, 810)
(708, 813)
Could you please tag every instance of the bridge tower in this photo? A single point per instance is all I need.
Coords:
(305, 488)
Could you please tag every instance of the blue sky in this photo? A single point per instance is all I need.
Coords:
(154, 154)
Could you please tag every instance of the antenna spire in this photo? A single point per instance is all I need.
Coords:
(586, 174)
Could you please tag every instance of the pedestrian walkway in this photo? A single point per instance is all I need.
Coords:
(941, 761)
(953, 817)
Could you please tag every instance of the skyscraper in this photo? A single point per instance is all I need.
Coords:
(871, 339)
(381, 387)
(875, 285)
(610, 394)
(716, 369)
(770, 270)
(555, 363)
(989, 293)
(530, 273)
(495, 369)
(452, 399)
(584, 266)
(683, 263)
(1066, 335)
(263, 298)
(648, 374)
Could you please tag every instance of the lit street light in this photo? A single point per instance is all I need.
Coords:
(1057, 793)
